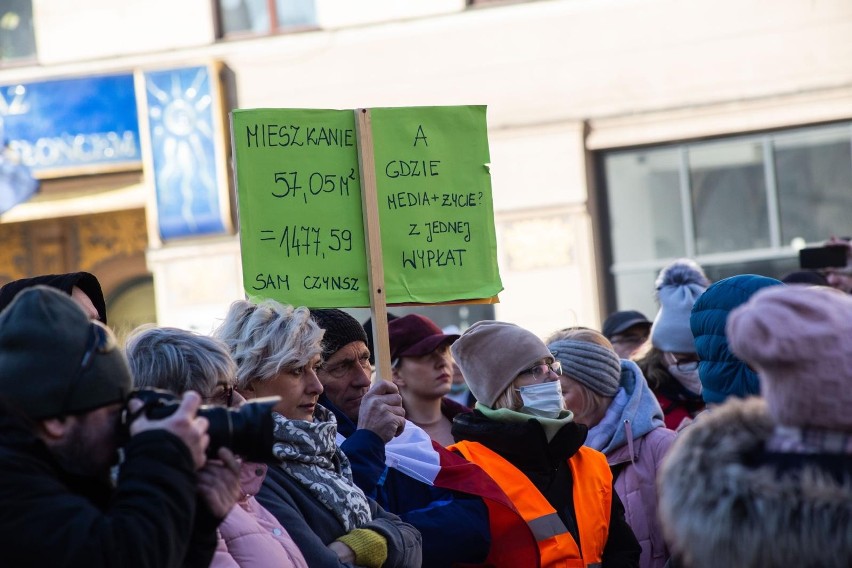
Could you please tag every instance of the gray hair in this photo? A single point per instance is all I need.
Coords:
(267, 338)
(178, 360)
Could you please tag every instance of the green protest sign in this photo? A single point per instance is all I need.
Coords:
(434, 193)
(301, 224)
(301, 232)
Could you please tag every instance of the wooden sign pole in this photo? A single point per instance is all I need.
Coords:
(373, 241)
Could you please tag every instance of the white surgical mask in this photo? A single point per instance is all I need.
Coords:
(543, 399)
(688, 379)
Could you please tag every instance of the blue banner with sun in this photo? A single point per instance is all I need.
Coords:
(185, 154)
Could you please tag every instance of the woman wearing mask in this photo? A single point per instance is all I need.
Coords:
(667, 379)
(611, 397)
(521, 434)
(309, 487)
(671, 365)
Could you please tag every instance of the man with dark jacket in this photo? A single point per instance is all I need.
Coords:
(448, 499)
(64, 382)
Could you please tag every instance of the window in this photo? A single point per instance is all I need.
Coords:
(257, 16)
(17, 38)
(814, 181)
(728, 189)
(736, 205)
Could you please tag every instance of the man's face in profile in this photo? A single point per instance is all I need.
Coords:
(345, 376)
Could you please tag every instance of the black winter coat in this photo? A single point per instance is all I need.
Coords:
(51, 518)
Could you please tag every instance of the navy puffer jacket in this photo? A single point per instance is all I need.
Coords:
(722, 374)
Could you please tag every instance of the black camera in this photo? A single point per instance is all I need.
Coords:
(246, 431)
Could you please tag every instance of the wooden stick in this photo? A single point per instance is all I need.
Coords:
(373, 241)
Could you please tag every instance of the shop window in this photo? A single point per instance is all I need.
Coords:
(17, 37)
(814, 172)
(239, 17)
(728, 189)
(645, 205)
(736, 205)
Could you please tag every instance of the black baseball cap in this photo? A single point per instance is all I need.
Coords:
(618, 322)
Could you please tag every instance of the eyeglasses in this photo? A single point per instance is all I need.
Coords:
(340, 370)
(543, 370)
(224, 395)
(628, 339)
(685, 365)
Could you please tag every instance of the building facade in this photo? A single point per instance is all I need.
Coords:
(623, 134)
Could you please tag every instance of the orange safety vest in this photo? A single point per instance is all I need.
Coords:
(592, 505)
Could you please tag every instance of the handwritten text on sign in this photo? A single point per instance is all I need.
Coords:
(436, 215)
(299, 195)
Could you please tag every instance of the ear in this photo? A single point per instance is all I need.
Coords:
(397, 378)
(54, 428)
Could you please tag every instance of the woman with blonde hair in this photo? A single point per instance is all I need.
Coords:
(611, 397)
(309, 486)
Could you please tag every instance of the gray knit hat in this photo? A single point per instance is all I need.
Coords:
(54, 361)
(678, 287)
(491, 354)
(590, 364)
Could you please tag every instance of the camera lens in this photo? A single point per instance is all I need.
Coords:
(246, 431)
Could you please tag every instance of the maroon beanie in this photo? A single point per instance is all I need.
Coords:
(415, 335)
(800, 342)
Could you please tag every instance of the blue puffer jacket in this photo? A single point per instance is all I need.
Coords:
(722, 374)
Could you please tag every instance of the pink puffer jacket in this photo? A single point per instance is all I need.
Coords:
(250, 537)
(636, 465)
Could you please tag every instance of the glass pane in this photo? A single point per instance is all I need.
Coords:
(635, 291)
(244, 16)
(292, 13)
(814, 179)
(773, 268)
(17, 38)
(643, 192)
(728, 196)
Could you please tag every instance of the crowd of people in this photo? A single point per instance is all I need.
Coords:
(714, 434)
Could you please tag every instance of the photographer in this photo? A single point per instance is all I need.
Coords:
(65, 383)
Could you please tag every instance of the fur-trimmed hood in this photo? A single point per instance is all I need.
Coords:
(725, 502)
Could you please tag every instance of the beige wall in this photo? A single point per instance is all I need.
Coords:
(95, 29)
(635, 71)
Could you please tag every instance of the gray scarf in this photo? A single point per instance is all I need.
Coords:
(309, 454)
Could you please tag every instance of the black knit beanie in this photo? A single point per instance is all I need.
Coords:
(341, 329)
(54, 361)
(85, 281)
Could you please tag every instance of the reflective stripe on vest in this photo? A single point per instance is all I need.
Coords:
(592, 504)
